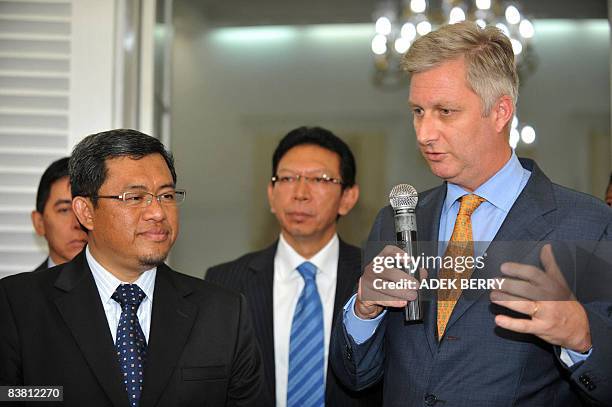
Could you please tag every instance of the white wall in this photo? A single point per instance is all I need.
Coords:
(237, 91)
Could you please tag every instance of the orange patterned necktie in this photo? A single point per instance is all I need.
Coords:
(461, 244)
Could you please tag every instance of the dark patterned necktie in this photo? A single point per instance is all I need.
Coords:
(130, 343)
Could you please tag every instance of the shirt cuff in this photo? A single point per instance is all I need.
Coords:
(570, 357)
(360, 329)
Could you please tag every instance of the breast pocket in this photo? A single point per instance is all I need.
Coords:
(198, 373)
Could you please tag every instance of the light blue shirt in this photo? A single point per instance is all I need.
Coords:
(500, 192)
(108, 283)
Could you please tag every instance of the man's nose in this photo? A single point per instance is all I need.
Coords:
(301, 191)
(154, 210)
(426, 130)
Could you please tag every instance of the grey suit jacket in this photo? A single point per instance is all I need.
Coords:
(477, 363)
(253, 275)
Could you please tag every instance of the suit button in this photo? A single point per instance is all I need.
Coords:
(591, 387)
(430, 399)
(584, 379)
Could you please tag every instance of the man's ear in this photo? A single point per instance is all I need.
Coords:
(348, 200)
(270, 199)
(83, 209)
(503, 112)
(38, 223)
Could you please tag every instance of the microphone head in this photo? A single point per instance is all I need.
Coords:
(403, 196)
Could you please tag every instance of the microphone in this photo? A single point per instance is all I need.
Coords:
(403, 199)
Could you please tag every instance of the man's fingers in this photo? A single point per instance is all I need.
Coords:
(515, 324)
(523, 306)
(547, 257)
(521, 288)
(520, 271)
(422, 274)
(497, 296)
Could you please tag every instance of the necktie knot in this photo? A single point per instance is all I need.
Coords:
(128, 294)
(469, 203)
(308, 271)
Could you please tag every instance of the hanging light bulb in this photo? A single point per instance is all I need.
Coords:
(517, 47)
(483, 4)
(383, 26)
(528, 134)
(526, 29)
(418, 6)
(379, 44)
(456, 15)
(408, 31)
(424, 27)
(512, 15)
(401, 45)
(504, 28)
(514, 138)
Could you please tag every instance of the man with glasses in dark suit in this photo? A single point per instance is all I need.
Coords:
(116, 326)
(297, 285)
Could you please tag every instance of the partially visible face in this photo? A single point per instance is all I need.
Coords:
(459, 144)
(59, 225)
(307, 211)
(133, 238)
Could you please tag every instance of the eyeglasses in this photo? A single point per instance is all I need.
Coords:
(322, 179)
(143, 199)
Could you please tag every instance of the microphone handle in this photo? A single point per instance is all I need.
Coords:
(407, 241)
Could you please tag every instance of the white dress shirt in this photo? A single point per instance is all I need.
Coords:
(287, 287)
(108, 283)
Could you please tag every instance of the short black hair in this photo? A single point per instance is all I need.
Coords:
(87, 166)
(54, 172)
(321, 137)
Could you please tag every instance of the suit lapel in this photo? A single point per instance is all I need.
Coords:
(80, 306)
(428, 223)
(43, 266)
(524, 225)
(349, 271)
(259, 290)
(171, 322)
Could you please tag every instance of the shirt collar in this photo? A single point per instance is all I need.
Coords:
(107, 283)
(500, 190)
(325, 259)
(50, 263)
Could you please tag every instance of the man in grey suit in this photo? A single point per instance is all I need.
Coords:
(530, 343)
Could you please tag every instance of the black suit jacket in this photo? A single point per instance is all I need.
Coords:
(201, 349)
(43, 266)
(253, 275)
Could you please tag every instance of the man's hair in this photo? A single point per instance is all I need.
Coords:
(88, 169)
(488, 56)
(321, 137)
(54, 172)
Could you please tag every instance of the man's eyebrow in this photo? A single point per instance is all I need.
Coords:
(137, 186)
(144, 188)
(62, 202)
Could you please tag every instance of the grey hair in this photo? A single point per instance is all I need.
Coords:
(488, 55)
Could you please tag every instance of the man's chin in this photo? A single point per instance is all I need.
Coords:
(152, 260)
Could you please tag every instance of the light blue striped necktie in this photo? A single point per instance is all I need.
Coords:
(306, 384)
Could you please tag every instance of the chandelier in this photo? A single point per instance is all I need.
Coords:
(399, 23)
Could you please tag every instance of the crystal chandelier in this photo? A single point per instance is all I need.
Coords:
(399, 23)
